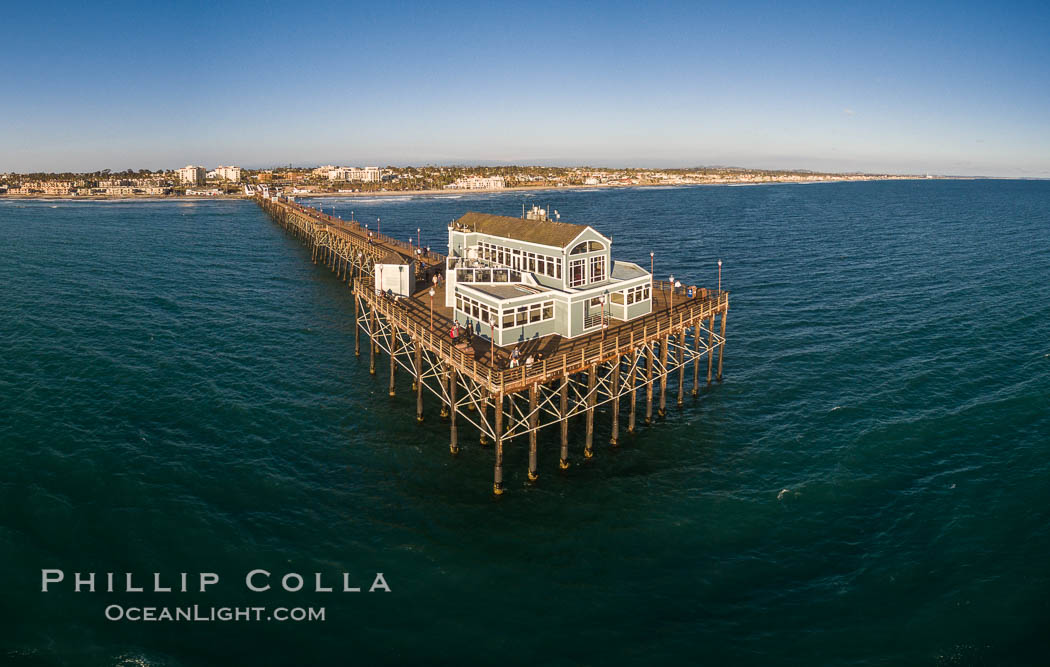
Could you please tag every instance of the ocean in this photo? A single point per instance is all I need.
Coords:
(869, 485)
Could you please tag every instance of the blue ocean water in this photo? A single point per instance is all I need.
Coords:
(868, 486)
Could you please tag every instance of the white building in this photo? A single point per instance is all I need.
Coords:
(231, 174)
(478, 183)
(192, 175)
(365, 175)
(519, 279)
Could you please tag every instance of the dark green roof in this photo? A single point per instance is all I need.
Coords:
(543, 232)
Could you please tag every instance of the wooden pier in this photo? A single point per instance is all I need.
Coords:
(473, 380)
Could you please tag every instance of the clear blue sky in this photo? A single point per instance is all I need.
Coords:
(960, 88)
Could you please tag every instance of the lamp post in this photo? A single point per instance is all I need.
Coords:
(719, 276)
(379, 227)
(671, 280)
(652, 284)
(417, 237)
(432, 310)
(603, 319)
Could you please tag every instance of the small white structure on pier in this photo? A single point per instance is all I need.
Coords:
(395, 275)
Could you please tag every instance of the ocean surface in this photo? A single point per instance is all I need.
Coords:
(870, 485)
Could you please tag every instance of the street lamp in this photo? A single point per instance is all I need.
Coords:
(719, 276)
(417, 236)
(432, 309)
(379, 227)
(671, 280)
(652, 285)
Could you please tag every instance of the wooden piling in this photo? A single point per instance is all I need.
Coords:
(372, 342)
(533, 417)
(497, 485)
(634, 391)
(453, 444)
(696, 359)
(615, 401)
(680, 340)
(663, 376)
(443, 380)
(419, 381)
(722, 347)
(588, 446)
(710, 342)
(357, 326)
(649, 383)
(563, 412)
(393, 358)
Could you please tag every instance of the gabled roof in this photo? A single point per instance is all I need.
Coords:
(543, 232)
(394, 258)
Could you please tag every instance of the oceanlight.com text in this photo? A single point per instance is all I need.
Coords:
(207, 614)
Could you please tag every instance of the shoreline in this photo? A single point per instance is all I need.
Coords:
(459, 193)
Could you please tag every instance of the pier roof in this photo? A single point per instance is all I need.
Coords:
(394, 257)
(508, 291)
(627, 270)
(543, 232)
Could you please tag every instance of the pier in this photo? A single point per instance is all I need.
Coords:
(631, 366)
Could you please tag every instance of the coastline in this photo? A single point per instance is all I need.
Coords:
(457, 192)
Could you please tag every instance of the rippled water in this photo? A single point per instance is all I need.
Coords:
(178, 393)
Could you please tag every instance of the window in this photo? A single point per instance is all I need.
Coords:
(636, 294)
(550, 266)
(530, 314)
(475, 309)
(618, 297)
(577, 273)
(597, 268)
(586, 246)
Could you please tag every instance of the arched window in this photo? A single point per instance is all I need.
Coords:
(586, 246)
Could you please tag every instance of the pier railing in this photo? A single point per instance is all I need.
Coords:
(363, 231)
(654, 325)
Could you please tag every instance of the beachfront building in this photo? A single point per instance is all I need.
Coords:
(478, 183)
(522, 278)
(231, 174)
(46, 188)
(192, 175)
(365, 175)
